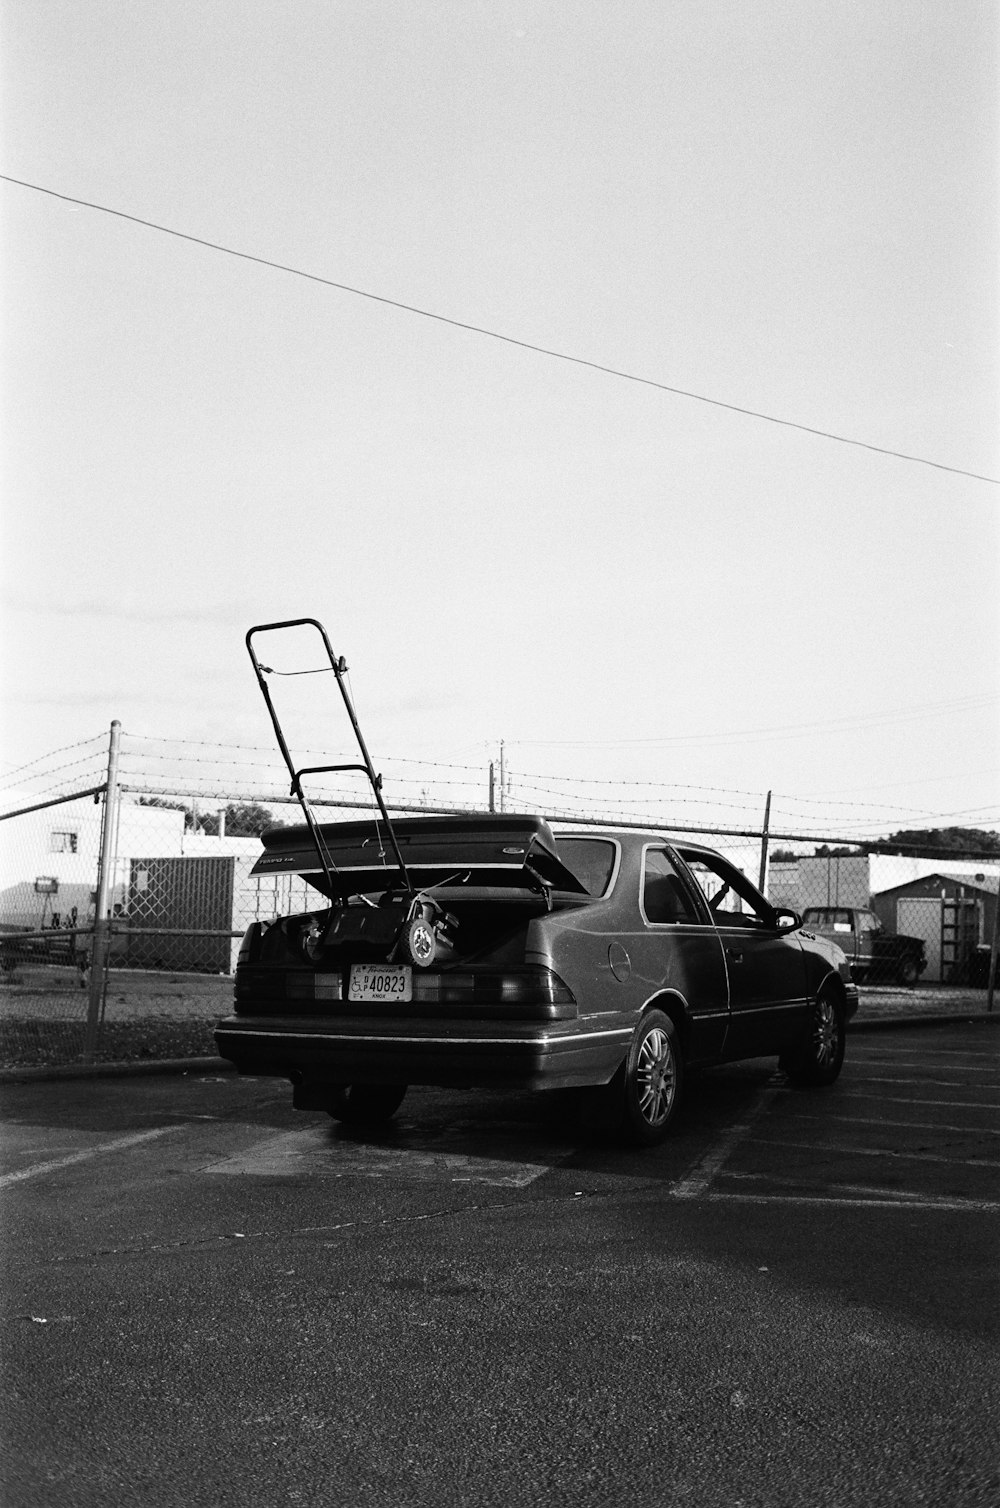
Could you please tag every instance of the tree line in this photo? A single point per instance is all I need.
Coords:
(244, 819)
(946, 840)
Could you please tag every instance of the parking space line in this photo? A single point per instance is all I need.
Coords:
(892, 1099)
(902, 1078)
(310, 1152)
(865, 1050)
(862, 1120)
(881, 1061)
(56, 1163)
(866, 1191)
(835, 1201)
(701, 1175)
(828, 1146)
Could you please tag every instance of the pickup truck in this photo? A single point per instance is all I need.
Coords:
(875, 955)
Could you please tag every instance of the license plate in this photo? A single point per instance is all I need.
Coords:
(384, 981)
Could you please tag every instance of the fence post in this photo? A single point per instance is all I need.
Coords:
(99, 953)
(763, 843)
(994, 950)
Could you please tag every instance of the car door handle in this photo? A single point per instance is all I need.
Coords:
(734, 955)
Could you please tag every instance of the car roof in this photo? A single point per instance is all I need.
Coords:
(640, 834)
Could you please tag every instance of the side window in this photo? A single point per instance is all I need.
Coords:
(664, 897)
(732, 899)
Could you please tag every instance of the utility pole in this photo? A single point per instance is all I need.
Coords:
(502, 776)
(492, 789)
(102, 923)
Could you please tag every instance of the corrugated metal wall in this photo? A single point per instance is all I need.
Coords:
(177, 893)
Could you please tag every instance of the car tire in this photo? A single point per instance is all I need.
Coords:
(819, 1061)
(365, 1104)
(640, 1103)
(907, 972)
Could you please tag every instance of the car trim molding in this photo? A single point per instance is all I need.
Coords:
(769, 1007)
(353, 1038)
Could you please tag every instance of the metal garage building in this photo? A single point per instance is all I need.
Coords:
(955, 914)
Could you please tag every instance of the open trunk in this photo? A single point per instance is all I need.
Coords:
(446, 934)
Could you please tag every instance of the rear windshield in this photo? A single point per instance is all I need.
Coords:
(829, 916)
(592, 860)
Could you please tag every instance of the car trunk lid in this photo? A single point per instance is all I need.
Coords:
(442, 853)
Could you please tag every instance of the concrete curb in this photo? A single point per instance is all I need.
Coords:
(897, 1023)
(115, 1070)
(221, 1065)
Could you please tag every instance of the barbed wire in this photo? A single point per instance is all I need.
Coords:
(324, 752)
(46, 775)
(654, 813)
(557, 784)
(339, 802)
(19, 770)
(423, 782)
(530, 782)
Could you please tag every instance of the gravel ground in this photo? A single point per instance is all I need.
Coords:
(43, 1016)
(44, 1044)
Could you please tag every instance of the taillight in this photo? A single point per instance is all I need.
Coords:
(250, 946)
(528, 986)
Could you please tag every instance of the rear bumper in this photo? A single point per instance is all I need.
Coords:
(454, 1054)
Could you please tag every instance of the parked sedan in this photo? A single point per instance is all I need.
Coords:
(491, 951)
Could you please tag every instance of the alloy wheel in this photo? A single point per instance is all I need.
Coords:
(826, 1032)
(656, 1076)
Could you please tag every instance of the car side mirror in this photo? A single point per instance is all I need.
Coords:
(787, 920)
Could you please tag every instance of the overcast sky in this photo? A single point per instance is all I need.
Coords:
(787, 206)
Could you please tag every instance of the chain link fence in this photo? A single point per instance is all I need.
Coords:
(49, 858)
(121, 912)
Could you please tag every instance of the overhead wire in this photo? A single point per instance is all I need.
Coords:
(855, 722)
(510, 340)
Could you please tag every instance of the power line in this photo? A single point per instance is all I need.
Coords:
(855, 722)
(511, 340)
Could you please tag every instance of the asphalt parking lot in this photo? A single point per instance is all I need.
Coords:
(211, 1299)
